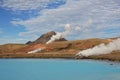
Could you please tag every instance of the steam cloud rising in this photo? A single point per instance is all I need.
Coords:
(60, 35)
(102, 49)
(84, 27)
(36, 50)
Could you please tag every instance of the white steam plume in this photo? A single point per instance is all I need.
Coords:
(36, 50)
(102, 49)
(77, 28)
(60, 35)
(84, 27)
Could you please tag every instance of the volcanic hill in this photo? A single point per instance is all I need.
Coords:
(45, 38)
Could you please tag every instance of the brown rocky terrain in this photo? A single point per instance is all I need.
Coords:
(10, 48)
(64, 49)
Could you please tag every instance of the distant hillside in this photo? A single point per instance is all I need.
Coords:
(10, 48)
(78, 44)
(70, 46)
(45, 38)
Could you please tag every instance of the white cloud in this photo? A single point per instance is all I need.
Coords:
(77, 28)
(101, 15)
(27, 4)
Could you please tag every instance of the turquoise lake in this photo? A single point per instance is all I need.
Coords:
(58, 69)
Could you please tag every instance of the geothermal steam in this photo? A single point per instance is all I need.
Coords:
(84, 27)
(54, 37)
(102, 49)
(36, 50)
(60, 35)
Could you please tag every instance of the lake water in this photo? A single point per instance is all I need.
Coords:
(58, 69)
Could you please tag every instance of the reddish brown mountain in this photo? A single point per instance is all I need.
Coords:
(45, 38)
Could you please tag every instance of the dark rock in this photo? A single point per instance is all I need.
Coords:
(29, 42)
(111, 64)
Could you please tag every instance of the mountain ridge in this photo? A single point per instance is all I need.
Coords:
(45, 38)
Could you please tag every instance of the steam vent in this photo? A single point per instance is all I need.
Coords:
(45, 38)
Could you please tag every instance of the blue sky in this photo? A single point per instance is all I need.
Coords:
(24, 20)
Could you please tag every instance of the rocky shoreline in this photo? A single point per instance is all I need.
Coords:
(114, 56)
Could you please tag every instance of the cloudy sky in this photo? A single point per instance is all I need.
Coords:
(24, 20)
